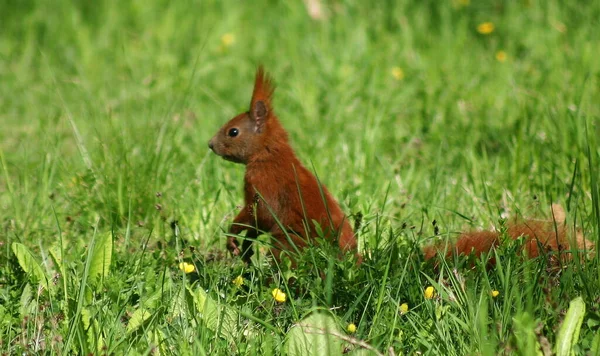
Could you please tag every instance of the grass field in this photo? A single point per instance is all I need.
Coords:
(426, 117)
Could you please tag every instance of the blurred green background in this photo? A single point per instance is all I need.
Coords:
(400, 95)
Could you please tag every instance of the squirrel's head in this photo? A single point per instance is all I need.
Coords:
(251, 133)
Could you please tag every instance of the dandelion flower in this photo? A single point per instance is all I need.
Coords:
(485, 28)
(403, 308)
(238, 281)
(501, 56)
(429, 292)
(187, 267)
(397, 73)
(278, 295)
(495, 293)
(351, 328)
(227, 39)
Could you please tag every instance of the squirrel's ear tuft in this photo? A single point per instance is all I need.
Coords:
(260, 106)
(259, 113)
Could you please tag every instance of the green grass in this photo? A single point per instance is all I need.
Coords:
(107, 184)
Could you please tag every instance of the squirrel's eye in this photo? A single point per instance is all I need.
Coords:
(233, 132)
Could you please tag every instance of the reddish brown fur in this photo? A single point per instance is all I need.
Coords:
(540, 237)
(276, 184)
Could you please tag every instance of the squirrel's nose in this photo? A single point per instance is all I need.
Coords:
(210, 144)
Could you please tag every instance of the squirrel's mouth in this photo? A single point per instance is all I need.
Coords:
(231, 158)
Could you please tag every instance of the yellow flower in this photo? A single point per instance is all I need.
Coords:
(227, 39)
(397, 73)
(187, 267)
(464, 2)
(485, 28)
(495, 293)
(238, 281)
(501, 56)
(429, 292)
(351, 328)
(403, 308)
(278, 295)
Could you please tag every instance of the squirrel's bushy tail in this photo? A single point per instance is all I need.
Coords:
(541, 237)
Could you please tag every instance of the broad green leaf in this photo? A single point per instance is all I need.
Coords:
(220, 318)
(568, 334)
(56, 254)
(101, 256)
(143, 312)
(317, 334)
(595, 349)
(29, 264)
(95, 336)
(178, 305)
(138, 318)
(26, 301)
(85, 318)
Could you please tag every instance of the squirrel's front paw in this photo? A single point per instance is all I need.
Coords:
(233, 246)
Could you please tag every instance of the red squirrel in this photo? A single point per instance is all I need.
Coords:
(283, 198)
